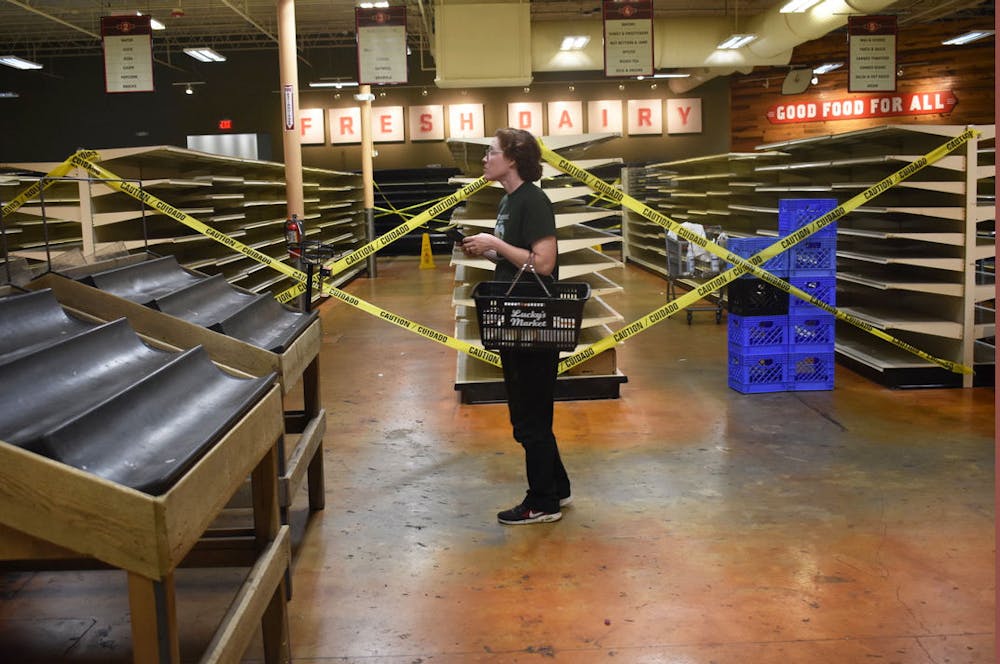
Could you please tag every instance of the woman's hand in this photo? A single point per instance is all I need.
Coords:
(479, 244)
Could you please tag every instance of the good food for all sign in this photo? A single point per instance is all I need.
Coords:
(856, 107)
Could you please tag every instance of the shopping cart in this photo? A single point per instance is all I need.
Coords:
(691, 263)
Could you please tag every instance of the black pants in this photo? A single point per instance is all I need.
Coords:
(530, 377)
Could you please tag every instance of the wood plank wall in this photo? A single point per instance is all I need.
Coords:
(967, 71)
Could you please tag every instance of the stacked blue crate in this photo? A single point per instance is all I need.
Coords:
(758, 325)
(812, 267)
(791, 349)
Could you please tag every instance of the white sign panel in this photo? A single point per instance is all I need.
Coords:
(525, 115)
(381, 35)
(387, 124)
(565, 117)
(311, 126)
(871, 54)
(465, 121)
(604, 116)
(427, 123)
(345, 125)
(628, 37)
(684, 116)
(128, 53)
(645, 116)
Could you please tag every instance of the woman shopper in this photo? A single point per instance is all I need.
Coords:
(526, 235)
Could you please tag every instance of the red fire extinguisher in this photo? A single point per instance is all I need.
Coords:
(293, 236)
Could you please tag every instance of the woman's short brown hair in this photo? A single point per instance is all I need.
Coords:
(521, 147)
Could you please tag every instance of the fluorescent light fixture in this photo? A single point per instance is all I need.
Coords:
(382, 4)
(205, 55)
(574, 42)
(798, 6)
(333, 84)
(828, 67)
(18, 63)
(9, 95)
(677, 75)
(153, 23)
(734, 42)
(968, 37)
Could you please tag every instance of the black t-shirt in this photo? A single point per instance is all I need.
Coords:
(524, 217)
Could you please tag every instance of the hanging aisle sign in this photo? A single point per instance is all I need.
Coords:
(872, 53)
(938, 102)
(381, 35)
(128, 53)
(628, 37)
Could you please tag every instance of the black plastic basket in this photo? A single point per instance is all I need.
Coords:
(523, 315)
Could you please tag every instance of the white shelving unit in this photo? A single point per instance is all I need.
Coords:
(910, 263)
(243, 198)
(580, 259)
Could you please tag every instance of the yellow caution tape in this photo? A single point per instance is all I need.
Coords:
(37, 188)
(752, 264)
(85, 160)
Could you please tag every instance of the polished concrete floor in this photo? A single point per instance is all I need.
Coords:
(708, 527)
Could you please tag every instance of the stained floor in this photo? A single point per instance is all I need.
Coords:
(708, 527)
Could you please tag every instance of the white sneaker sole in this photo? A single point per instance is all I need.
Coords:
(545, 518)
(563, 502)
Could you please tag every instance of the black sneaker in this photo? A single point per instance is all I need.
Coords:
(522, 514)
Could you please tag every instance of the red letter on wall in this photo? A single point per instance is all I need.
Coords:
(305, 124)
(466, 121)
(346, 126)
(685, 113)
(425, 122)
(645, 117)
(524, 120)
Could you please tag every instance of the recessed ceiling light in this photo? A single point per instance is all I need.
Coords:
(798, 6)
(205, 55)
(736, 41)
(574, 42)
(968, 37)
(18, 63)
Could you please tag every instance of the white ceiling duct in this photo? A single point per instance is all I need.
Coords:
(686, 43)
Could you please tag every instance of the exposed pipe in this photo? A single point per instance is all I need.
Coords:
(33, 10)
(246, 17)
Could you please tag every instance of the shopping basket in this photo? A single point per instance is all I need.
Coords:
(527, 315)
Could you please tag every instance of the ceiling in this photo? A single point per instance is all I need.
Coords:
(40, 29)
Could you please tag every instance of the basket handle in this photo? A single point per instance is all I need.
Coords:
(530, 265)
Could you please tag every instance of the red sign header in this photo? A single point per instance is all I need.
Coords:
(856, 107)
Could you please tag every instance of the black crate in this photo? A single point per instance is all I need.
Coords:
(753, 297)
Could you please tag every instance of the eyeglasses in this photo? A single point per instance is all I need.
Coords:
(492, 151)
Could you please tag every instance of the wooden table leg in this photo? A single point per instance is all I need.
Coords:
(154, 620)
(312, 406)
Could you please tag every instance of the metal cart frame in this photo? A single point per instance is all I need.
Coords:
(681, 265)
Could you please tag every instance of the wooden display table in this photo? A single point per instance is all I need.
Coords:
(49, 510)
(299, 362)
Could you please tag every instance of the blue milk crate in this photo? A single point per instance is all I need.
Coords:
(811, 333)
(754, 372)
(810, 371)
(813, 257)
(745, 247)
(794, 213)
(823, 288)
(758, 333)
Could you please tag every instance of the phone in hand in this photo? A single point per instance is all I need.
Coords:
(455, 235)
